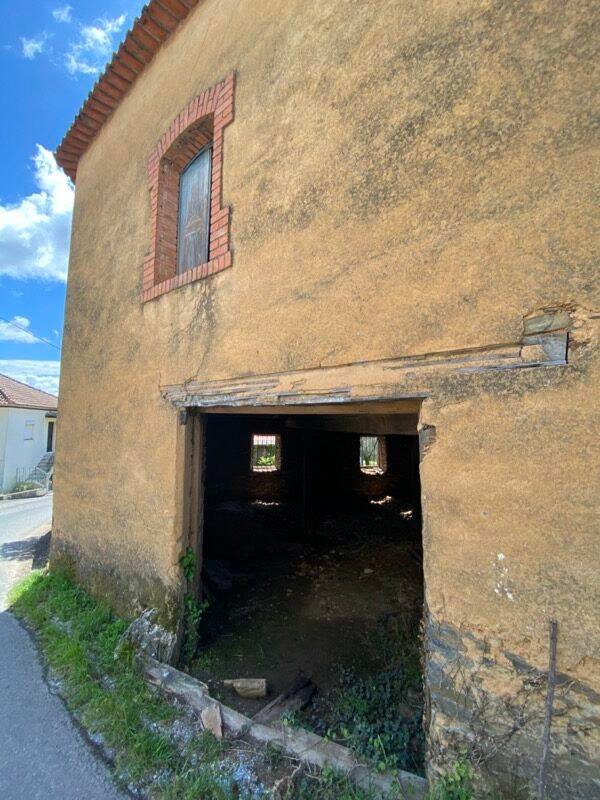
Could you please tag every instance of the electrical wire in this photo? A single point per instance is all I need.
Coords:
(25, 330)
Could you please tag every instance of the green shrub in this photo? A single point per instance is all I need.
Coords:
(192, 610)
(25, 486)
(379, 716)
(456, 784)
(192, 614)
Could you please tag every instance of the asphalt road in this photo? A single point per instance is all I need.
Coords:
(19, 518)
(22, 522)
(42, 754)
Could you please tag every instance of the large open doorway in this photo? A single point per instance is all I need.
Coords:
(312, 568)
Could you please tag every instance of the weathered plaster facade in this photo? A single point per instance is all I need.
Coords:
(405, 180)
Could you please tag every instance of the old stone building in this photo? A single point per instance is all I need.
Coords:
(333, 255)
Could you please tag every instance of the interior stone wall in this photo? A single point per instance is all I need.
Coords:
(333, 464)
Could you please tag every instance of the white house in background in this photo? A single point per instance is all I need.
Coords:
(27, 432)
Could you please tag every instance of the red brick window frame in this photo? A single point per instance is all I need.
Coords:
(199, 124)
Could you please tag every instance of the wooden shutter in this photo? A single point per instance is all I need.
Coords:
(194, 212)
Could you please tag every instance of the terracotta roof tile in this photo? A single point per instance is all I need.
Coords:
(158, 20)
(19, 395)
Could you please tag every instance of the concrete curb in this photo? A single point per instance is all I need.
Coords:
(296, 742)
(24, 495)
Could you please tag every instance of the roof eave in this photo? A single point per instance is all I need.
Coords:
(158, 20)
(30, 407)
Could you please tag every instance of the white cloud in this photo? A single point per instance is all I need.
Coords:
(35, 233)
(30, 48)
(43, 375)
(62, 14)
(95, 44)
(15, 331)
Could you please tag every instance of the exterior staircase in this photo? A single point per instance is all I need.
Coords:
(41, 474)
(46, 463)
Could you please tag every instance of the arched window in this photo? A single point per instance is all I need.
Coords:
(190, 227)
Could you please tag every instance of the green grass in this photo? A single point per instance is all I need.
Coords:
(78, 636)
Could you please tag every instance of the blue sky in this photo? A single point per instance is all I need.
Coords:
(50, 55)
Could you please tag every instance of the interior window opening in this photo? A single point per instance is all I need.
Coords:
(313, 575)
(265, 452)
(372, 455)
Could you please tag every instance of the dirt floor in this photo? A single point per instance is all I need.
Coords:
(318, 605)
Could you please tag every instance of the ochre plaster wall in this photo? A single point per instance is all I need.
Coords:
(510, 542)
(404, 178)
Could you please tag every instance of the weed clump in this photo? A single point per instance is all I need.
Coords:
(455, 784)
(378, 715)
(193, 609)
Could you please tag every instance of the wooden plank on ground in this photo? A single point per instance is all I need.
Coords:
(295, 698)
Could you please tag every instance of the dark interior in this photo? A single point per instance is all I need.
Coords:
(303, 564)
(320, 471)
